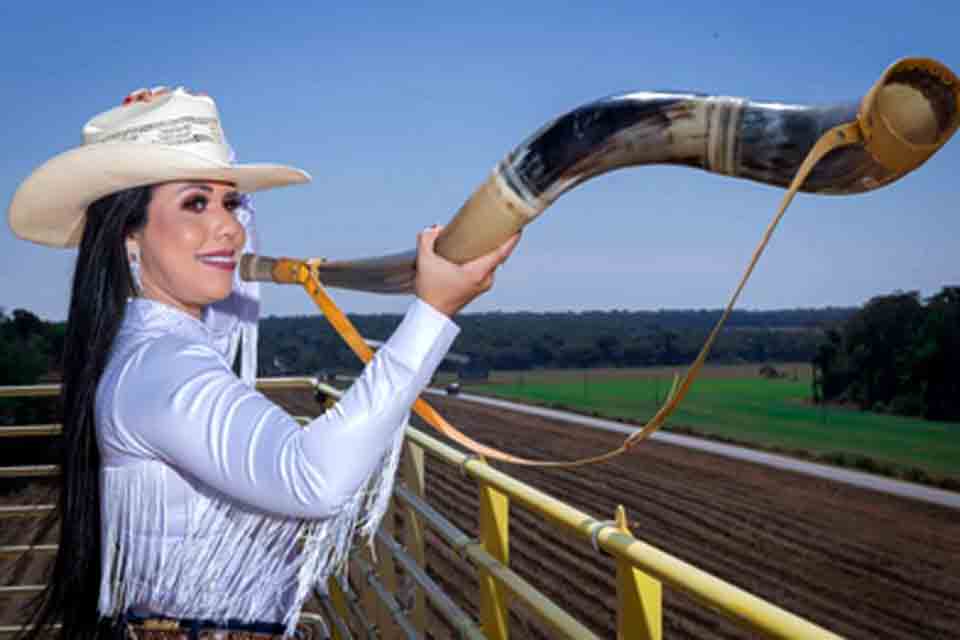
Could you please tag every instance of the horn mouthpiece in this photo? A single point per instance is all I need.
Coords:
(254, 268)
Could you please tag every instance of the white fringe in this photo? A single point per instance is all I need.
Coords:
(233, 563)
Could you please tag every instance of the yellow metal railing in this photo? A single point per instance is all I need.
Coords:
(641, 568)
(371, 608)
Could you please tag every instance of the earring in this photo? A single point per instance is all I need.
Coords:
(133, 259)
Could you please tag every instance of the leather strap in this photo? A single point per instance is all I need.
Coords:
(306, 274)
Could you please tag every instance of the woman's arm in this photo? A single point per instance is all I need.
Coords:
(179, 402)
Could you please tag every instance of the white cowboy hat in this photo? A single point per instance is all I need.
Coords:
(173, 135)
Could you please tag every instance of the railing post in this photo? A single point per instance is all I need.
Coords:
(494, 536)
(367, 596)
(415, 478)
(339, 601)
(639, 597)
(387, 572)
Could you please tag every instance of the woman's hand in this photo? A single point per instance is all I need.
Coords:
(449, 287)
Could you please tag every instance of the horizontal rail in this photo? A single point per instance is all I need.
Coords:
(545, 609)
(30, 391)
(387, 599)
(6, 630)
(731, 601)
(21, 589)
(272, 384)
(31, 471)
(46, 430)
(326, 389)
(17, 550)
(32, 430)
(264, 384)
(25, 511)
(464, 624)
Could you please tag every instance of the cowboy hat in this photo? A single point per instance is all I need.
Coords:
(152, 137)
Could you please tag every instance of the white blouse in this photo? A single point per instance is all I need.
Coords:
(216, 504)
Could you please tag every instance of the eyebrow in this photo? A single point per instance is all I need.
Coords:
(195, 185)
(203, 187)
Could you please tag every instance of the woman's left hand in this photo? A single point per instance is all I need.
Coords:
(449, 287)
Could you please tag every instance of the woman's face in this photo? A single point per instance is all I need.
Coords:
(191, 244)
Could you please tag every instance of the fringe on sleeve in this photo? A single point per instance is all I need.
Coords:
(234, 563)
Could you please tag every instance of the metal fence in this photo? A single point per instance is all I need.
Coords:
(372, 607)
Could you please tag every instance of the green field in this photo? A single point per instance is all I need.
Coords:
(770, 413)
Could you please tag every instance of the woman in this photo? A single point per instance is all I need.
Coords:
(192, 505)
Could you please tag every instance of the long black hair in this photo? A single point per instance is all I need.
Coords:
(102, 282)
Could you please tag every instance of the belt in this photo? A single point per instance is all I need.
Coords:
(161, 628)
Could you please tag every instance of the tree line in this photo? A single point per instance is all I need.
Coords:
(892, 354)
(527, 340)
(896, 354)
(30, 351)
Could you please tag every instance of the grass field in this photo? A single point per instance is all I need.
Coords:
(737, 404)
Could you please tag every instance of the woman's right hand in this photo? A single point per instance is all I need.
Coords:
(449, 287)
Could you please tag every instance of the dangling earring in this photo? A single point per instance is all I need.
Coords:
(133, 259)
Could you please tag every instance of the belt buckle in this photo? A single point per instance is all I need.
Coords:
(161, 624)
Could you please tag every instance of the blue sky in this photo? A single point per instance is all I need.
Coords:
(399, 113)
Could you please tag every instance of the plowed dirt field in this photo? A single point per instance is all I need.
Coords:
(860, 563)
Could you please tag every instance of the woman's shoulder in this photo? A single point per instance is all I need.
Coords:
(156, 343)
(154, 371)
(146, 370)
(150, 348)
(143, 316)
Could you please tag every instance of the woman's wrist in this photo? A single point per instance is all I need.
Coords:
(446, 308)
(422, 330)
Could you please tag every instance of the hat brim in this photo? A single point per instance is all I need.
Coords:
(49, 207)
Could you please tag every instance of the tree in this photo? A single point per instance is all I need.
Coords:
(25, 356)
(896, 354)
(936, 351)
(879, 340)
(26, 324)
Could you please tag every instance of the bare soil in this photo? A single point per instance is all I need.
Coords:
(860, 563)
